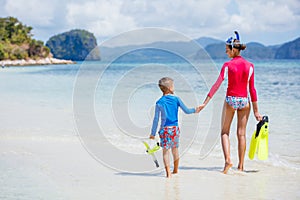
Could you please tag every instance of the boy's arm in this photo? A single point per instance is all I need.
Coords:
(185, 109)
(155, 122)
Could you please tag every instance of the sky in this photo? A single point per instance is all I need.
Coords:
(268, 22)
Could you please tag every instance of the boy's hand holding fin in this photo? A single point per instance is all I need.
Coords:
(152, 137)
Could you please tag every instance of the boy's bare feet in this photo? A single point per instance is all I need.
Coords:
(227, 167)
(168, 172)
(176, 164)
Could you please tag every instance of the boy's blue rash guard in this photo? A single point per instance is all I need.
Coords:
(167, 108)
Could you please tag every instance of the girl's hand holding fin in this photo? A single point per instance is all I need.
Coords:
(258, 116)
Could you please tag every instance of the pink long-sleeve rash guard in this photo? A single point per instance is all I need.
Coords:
(240, 79)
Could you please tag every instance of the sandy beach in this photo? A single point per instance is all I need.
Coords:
(41, 165)
(67, 171)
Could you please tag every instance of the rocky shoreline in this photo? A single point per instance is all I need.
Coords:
(43, 61)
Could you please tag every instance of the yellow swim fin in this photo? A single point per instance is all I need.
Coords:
(263, 146)
(253, 145)
(259, 140)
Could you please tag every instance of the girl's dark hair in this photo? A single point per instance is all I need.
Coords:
(238, 45)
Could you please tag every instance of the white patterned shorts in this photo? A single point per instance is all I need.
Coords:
(237, 102)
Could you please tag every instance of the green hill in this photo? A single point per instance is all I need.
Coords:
(74, 45)
(290, 50)
(16, 41)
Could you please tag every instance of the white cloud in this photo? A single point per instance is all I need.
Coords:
(189, 17)
(36, 12)
(103, 18)
(260, 15)
(194, 18)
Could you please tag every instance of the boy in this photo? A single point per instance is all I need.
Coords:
(167, 109)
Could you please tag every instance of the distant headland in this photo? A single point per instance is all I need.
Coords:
(18, 48)
(76, 45)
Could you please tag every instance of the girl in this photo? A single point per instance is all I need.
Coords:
(240, 74)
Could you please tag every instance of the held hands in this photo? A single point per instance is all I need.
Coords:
(199, 108)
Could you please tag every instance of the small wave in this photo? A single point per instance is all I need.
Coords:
(63, 138)
(283, 161)
(275, 83)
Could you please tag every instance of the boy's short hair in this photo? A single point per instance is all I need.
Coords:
(165, 83)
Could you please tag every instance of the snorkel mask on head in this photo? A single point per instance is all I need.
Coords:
(234, 43)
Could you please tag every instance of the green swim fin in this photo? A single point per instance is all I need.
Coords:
(259, 140)
(151, 151)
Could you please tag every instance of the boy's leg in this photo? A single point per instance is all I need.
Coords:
(175, 159)
(166, 158)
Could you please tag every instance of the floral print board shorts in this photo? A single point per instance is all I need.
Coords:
(237, 102)
(169, 137)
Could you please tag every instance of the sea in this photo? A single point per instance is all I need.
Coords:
(96, 101)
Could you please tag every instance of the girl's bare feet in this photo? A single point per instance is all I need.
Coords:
(240, 167)
(227, 167)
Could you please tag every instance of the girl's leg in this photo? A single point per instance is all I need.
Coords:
(166, 158)
(227, 116)
(243, 115)
(175, 159)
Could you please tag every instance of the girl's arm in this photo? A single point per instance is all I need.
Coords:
(215, 87)
(255, 111)
(254, 96)
(252, 89)
(219, 81)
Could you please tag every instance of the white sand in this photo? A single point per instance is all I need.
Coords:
(35, 168)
